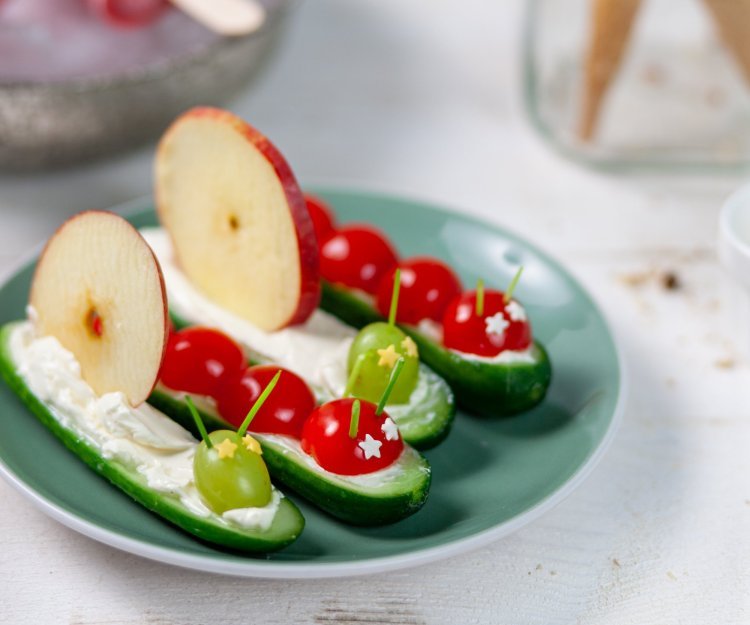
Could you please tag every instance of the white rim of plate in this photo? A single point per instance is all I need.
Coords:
(274, 569)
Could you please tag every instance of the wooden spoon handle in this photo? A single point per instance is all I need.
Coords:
(226, 17)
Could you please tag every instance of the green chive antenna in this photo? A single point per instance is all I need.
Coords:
(258, 404)
(354, 421)
(391, 383)
(394, 297)
(479, 308)
(512, 286)
(198, 421)
(354, 375)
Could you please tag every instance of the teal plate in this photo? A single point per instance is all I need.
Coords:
(490, 477)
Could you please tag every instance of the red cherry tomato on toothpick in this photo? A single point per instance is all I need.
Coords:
(357, 257)
(285, 410)
(322, 218)
(427, 287)
(197, 360)
(326, 437)
(128, 13)
(496, 328)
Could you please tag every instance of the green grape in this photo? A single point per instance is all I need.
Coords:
(240, 481)
(373, 377)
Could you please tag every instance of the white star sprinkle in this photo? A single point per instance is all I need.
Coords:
(497, 324)
(515, 311)
(390, 429)
(371, 447)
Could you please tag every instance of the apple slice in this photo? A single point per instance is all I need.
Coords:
(99, 290)
(237, 219)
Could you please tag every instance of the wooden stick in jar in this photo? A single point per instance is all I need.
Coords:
(733, 20)
(611, 25)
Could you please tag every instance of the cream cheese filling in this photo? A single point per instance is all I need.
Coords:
(140, 437)
(507, 356)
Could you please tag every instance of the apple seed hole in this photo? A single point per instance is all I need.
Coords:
(94, 322)
(234, 223)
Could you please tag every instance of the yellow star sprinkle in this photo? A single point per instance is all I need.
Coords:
(226, 448)
(388, 357)
(252, 445)
(410, 346)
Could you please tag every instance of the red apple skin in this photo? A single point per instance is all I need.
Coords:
(307, 242)
(162, 284)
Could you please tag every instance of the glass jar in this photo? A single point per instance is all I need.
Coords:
(641, 84)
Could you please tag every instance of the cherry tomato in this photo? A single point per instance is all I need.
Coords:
(500, 327)
(128, 13)
(427, 287)
(322, 218)
(198, 359)
(285, 410)
(325, 436)
(357, 257)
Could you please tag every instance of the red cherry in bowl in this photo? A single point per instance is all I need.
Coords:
(128, 13)
(357, 257)
(322, 217)
(197, 360)
(285, 410)
(499, 327)
(427, 287)
(325, 436)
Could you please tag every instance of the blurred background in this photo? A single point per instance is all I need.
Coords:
(349, 92)
(475, 105)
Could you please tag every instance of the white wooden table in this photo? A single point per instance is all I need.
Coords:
(420, 98)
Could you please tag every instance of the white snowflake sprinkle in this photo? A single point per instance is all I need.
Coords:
(515, 311)
(371, 447)
(390, 429)
(497, 324)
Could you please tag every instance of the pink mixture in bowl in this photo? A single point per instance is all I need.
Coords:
(60, 40)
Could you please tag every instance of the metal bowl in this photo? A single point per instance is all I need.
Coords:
(52, 124)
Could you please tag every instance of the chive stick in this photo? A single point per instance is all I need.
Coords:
(479, 309)
(391, 383)
(348, 391)
(258, 404)
(354, 420)
(512, 286)
(198, 421)
(394, 297)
